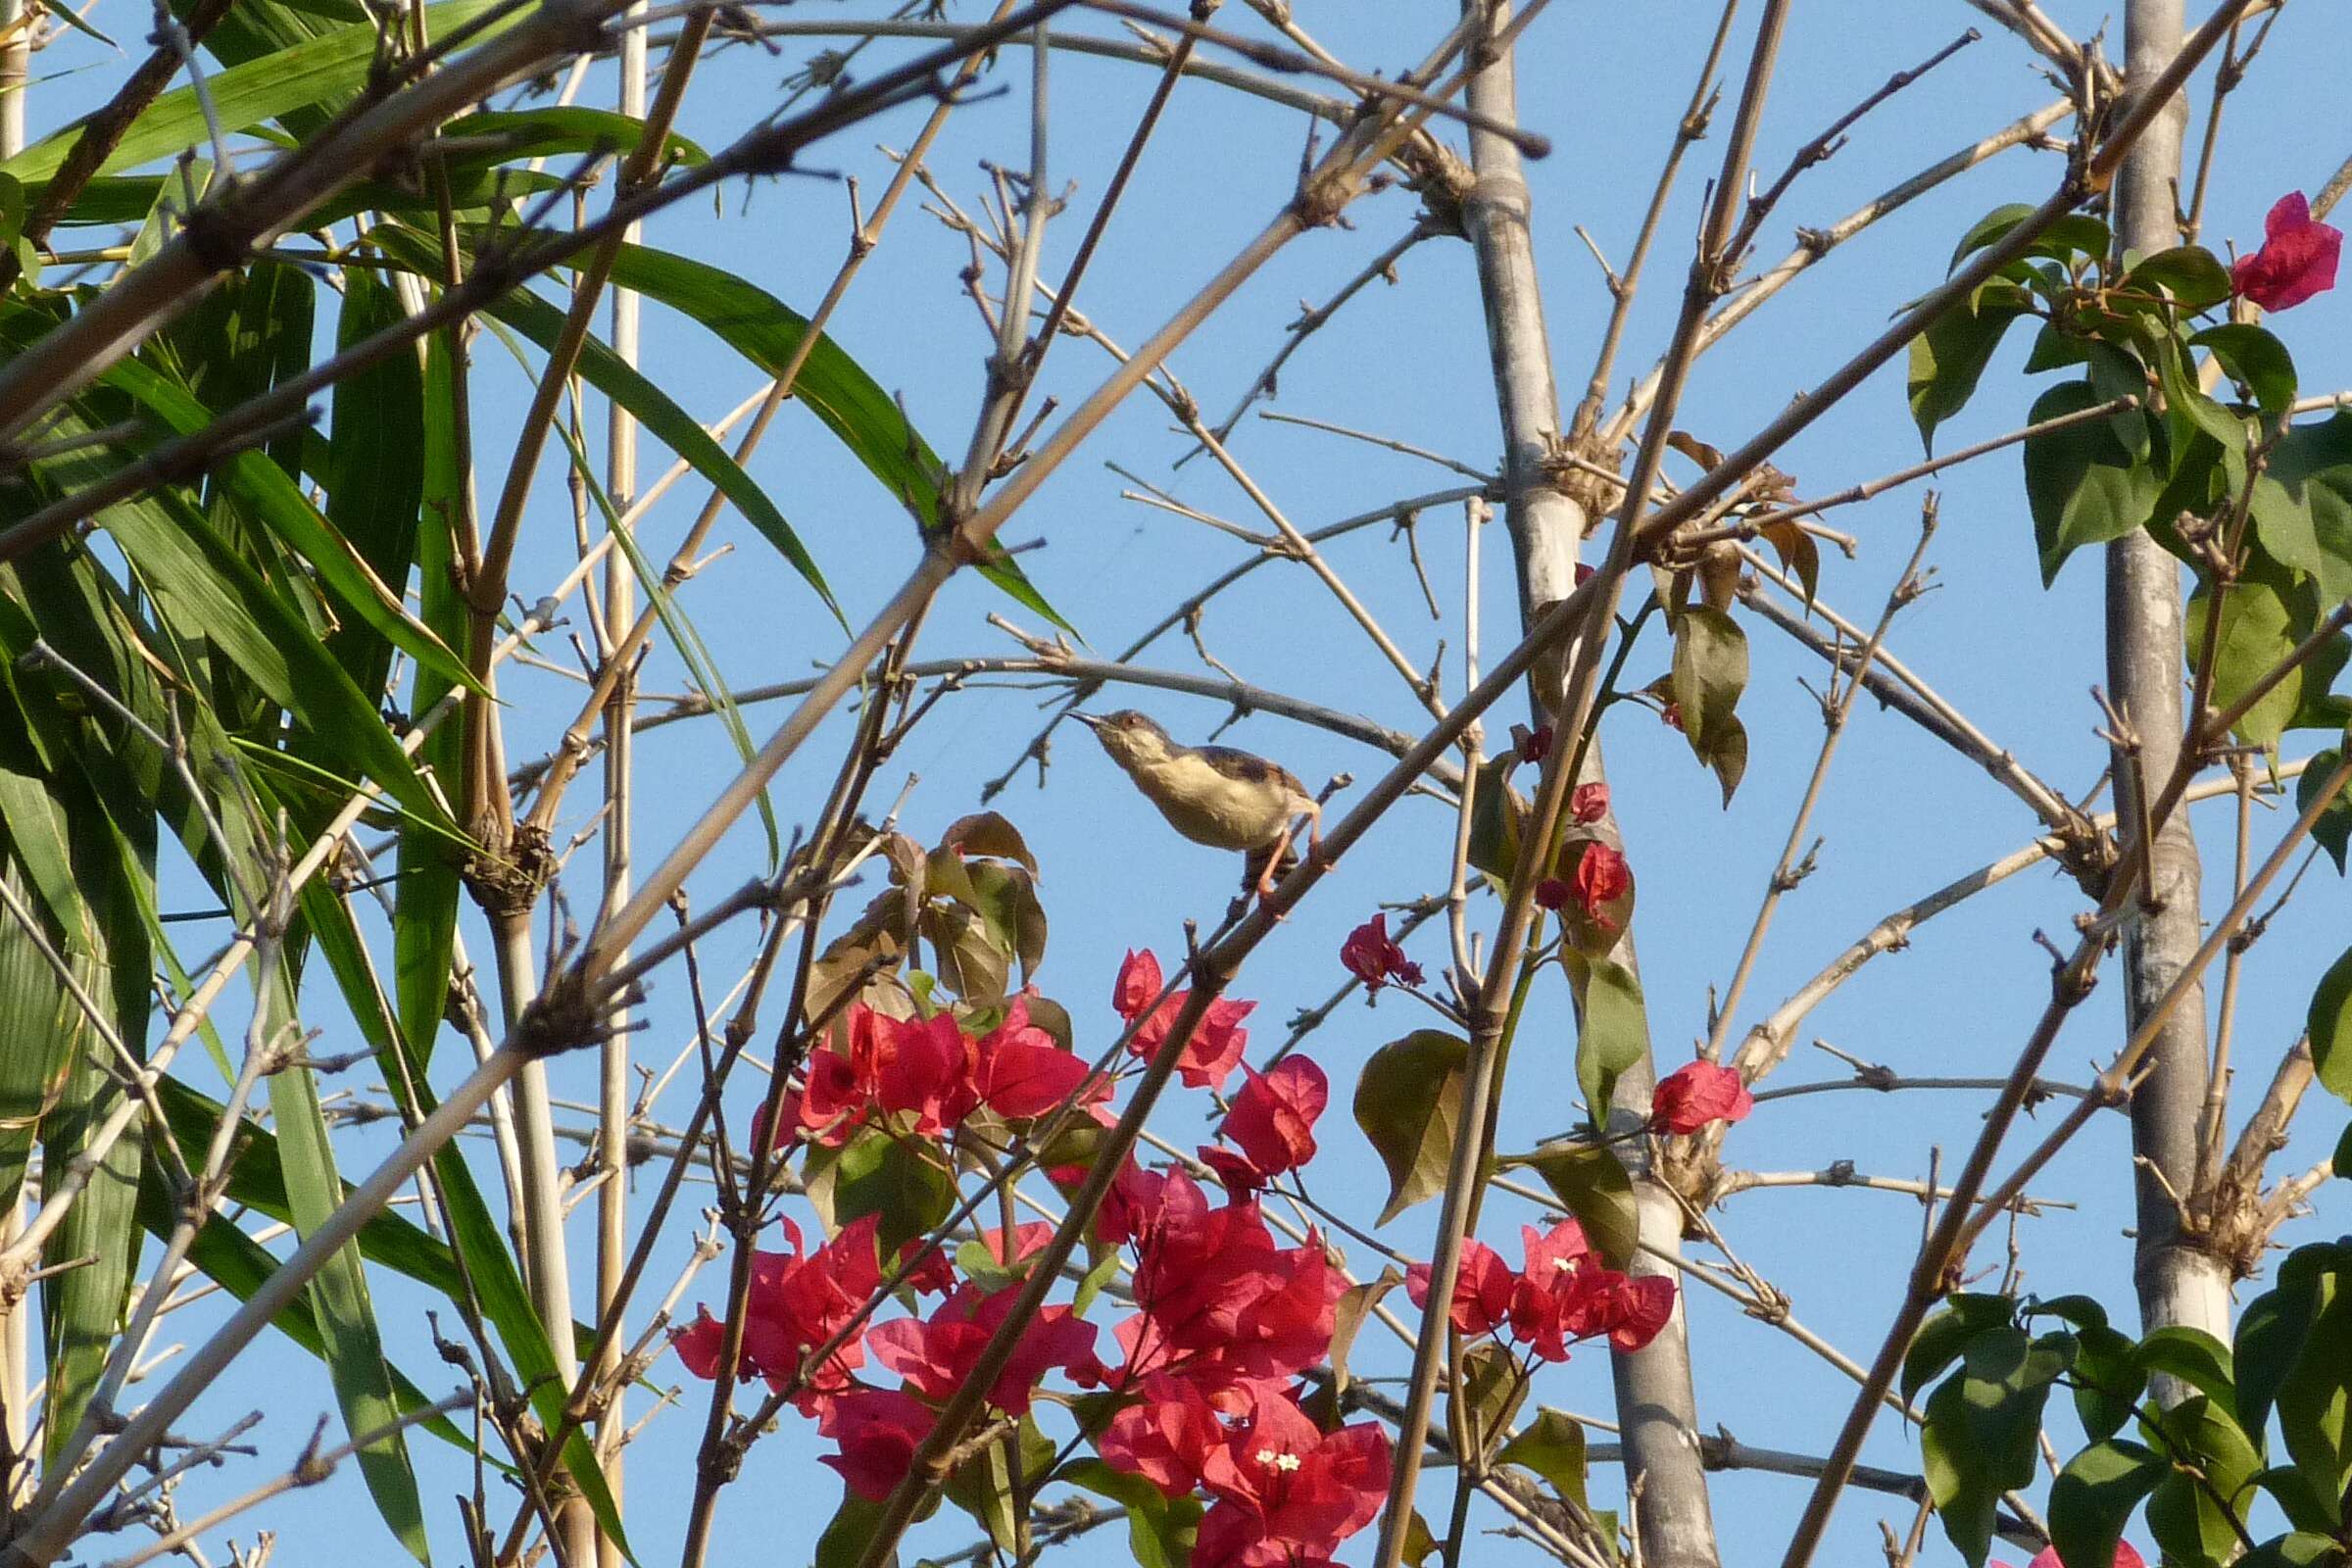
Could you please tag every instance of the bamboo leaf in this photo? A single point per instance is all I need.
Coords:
(244, 96)
(238, 1264)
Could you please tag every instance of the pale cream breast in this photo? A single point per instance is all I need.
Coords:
(1208, 807)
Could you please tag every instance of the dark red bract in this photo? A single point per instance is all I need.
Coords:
(878, 1430)
(1288, 1492)
(1370, 956)
(1483, 1285)
(2297, 259)
(1696, 1094)
(1217, 1043)
(1273, 1117)
(1601, 878)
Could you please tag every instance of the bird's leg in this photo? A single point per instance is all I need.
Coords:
(1315, 837)
(1274, 853)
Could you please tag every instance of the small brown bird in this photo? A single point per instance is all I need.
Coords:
(1213, 794)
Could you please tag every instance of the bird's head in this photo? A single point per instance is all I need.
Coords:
(1131, 738)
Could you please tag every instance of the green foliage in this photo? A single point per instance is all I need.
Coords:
(1709, 673)
(2083, 484)
(1408, 1101)
(1592, 1184)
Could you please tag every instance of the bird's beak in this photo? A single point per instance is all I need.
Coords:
(1093, 721)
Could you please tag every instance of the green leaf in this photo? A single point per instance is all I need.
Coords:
(2312, 466)
(2330, 1024)
(1159, 1532)
(1948, 358)
(245, 95)
(1552, 1446)
(376, 469)
(1977, 1440)
(2331, 830)
(834, 388)
(1492, 1387)
(875, 1173)
(2081, 483)
(1947, 1334)
(1612, 1026)
(1592, 1184)
(2093, 1499)
(340, 1299)
(2257, 633)
(853, 1523)
(2253, 358)
(2303, 1549)
(661, 415)
(556, 129)
(1410, 1103)
(95, 1248)
(2071, 237)
(425, 915)
(2196, 1359)
(2277, 1325)
(238, 1264)
(2191, 1515)
(1709, 673)
(2190, 273)
(2341, 1164)
(2315, 1403)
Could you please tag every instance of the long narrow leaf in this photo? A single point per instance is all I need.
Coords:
(242, 96)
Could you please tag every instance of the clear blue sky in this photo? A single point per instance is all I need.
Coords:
(1902, 816)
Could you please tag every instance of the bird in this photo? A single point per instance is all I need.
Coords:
(1213, 794)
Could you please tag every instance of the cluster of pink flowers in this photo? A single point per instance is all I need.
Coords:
(1201, 1386)
(1562, 1294)
(1217, 1044)
(1227, 1320)
(925, 1075)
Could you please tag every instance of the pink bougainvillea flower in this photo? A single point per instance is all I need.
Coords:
(799, 1301)
(922, 1070)
(1589, 803)
(1696, 1094)
(878, 1430)
(1233, 1171)
(698, 1342)
(2126, 1556)
(1370, 956)
(1273, 1117)
(1168, 1438)
(2297, 259)
(1601, 878)
(1220, 1303)
(1552, 894)
(1672, 714)
(1022, 1071)
(1286, 1492)
(1138, 982)
(936, 1356)
(1215, 1048)
(1483, 1287)
(1629, 1311)
(929, 1270)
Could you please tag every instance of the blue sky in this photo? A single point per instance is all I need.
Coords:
(1902, 816)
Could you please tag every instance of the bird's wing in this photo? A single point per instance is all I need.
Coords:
(1249, 767)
